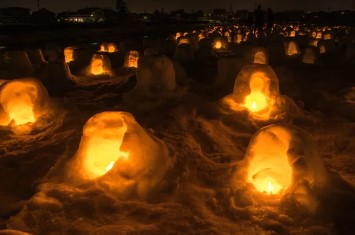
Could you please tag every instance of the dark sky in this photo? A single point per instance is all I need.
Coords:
(188, 5)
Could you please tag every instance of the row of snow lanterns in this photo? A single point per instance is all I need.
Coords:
(256, 89)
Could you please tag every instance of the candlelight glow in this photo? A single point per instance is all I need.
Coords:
(19, 101)
(292, 49)
(101, 142)
(269, 170)
(256, 100)
(111, 48)
(99, 65)
(68, 54)
(217, 45)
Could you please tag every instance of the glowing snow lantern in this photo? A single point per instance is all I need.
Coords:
(22, 101)
(100, 65)
(183, 40)
(131, 60)
(177, 35)
(238, 38)
(68, 54)
(292, 34)
(103, 47)
(116, 150)
(256, 88)
(260, 57)
(217, 45)
(313, 43)
(112, 48)
(319, 35)
(101, 143)
(327, 36)
(309, 56)
(322, 49)
(281, 157)
(291, 49)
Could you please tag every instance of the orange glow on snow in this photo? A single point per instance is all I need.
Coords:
(218, 45)
(17, 100)
(269, 170)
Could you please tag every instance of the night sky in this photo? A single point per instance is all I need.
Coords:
(188, 5)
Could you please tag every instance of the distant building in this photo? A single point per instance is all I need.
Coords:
(87, 15)
(15, 15)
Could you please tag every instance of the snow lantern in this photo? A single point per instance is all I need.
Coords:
(322, 49)
(218, 44)
(238, 38)
(319, 35)
(183, 40)
(257, 55)
(256, 88)
(292, 34)
(313, 43)
(112, 48)
(100, 65)
(68, 54)
(291, 49)
(100, 146)
(280, 157)
(131, 60)
(156, 74)
(117, 150)
(22, 101)
(309, 56)
(103, 47)
(327, 36)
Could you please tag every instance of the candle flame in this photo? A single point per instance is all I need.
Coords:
(254, 106)
(109, 167)
(270, 188)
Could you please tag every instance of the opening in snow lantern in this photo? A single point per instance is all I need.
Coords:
(238, 38)
(257, 55)
(117, 150)
(22, 101)
(100, 64)
(282, 156)
(131, 60)
(101, 143)
(219, 44)
(256, 88)
(68, 54)
(319, 35)
(292, 49)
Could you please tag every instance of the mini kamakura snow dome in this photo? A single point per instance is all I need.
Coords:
(100, 65)
(291, 49)
(116, 147)
(282, 157)
(156, 74)
(256, 55)
(131, 60)
(220, 43)
(309, 55)
(22, 101)
(256, 88)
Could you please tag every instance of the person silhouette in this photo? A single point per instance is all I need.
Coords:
(259, 19)
(270, 20)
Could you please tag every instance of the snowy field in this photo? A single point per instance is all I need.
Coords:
(185, 152)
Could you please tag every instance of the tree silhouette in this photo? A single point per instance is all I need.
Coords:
(121, 7)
